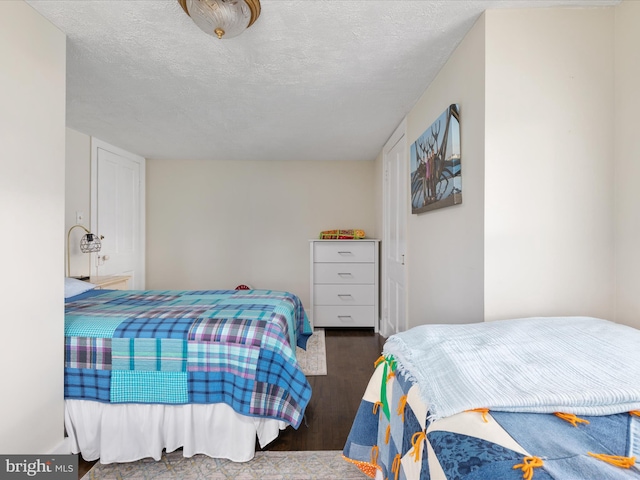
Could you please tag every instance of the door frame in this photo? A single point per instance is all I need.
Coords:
(97, 144)
(399, 135)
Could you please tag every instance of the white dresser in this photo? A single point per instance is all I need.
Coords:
(344, 283)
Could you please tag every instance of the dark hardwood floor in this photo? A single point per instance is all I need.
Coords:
(335, 397)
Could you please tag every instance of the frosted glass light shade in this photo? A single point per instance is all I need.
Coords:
(222, 18)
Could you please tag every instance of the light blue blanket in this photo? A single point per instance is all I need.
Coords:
(580, 365)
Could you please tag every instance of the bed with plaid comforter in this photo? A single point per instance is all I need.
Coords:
(179, 347)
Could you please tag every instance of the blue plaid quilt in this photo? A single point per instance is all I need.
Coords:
(179, 347)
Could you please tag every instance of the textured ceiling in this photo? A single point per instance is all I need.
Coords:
(310, 80)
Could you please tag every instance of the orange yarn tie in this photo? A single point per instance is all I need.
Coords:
(395, 466)
(416, 441)
(622, 462)
(527, 466)
(401, 404)
(483, 411)
(375, 407)
(374, 455)
(635, 412)
(391, 374)
(387, 435)
(571, 418)
(378, 361)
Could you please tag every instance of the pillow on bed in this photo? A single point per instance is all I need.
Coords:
(73, 287)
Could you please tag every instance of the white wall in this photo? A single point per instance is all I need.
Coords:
(77, 196)
(218, 224)
(548, 163)
(445, 246)
(535, 232)
(626, 148)
(32, 135)
(378, 179)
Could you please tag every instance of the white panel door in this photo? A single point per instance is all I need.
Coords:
(118, 212)
(394, 234)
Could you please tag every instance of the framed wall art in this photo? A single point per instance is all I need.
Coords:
(436, 179)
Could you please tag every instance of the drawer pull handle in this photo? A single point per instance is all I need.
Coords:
(344, 316)
(345, 253)
(345, 295)
(345, 274)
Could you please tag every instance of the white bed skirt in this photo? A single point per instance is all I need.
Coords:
(117, 433)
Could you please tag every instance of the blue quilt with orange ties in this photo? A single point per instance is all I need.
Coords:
(186, 346)
(394, 437)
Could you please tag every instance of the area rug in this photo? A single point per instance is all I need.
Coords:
(313, 360)
(319, 465)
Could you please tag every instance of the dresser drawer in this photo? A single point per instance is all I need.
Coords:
(344, 251)
(111, 282)
(344, 294)
(333, 316)
(344, 273)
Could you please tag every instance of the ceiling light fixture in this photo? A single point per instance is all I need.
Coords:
(223, 18)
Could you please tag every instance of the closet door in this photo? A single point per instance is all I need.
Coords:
(395, 198)
(117, 212)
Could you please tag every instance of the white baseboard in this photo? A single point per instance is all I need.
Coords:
(63, 448)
